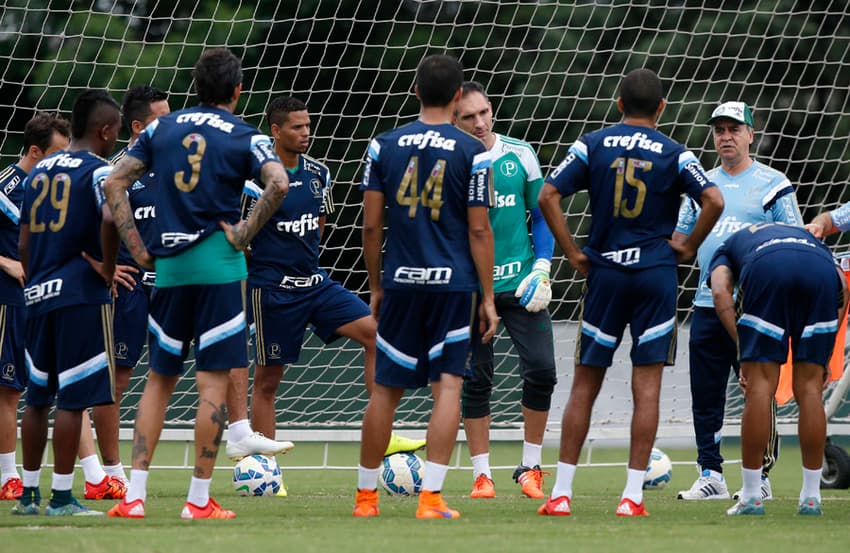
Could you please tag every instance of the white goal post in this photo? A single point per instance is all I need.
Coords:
(551, 69)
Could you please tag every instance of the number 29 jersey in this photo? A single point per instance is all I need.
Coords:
(635, 177)
(429, 175)
(63, 196)
(202, 157)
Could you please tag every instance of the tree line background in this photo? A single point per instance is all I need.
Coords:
(551, 68)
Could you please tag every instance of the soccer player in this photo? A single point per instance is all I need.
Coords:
(434, 181)
(802, 302)
(634, 176)
(288, 292)
(142, 105)
(522, 292)
(753, 193)
(44, 134)
(201, 156)
(68, 329)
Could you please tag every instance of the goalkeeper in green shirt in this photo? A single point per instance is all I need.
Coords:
(521, 283)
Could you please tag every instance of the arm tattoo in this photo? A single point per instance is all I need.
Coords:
(122, 177)
(276, 183)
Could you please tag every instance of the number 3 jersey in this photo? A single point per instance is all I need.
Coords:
(429, 175)
(201, 156)
(285, 253)
(63, 196)
(635, 177)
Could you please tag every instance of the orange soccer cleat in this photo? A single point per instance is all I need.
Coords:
(531, 480)
(556, 507)
(431, 505)
(108, 488)
(483, 488)
(133, 509)
(366, 504)
(13, 489)
(628, 508)
(211, 510)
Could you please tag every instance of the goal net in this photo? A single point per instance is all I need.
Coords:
(551, 69)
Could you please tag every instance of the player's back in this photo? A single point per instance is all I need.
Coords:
(755, 241)
(62, 200)
(430, 175)
(635, 186)
(202, 156)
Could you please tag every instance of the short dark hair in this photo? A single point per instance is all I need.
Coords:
(473, 86)
(89, 113)
(217, 74)
(137, 103)
(39, 130)
(641, 92)
(279, 109)
(437, 78)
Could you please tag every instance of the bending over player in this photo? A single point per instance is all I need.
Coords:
(803, 303)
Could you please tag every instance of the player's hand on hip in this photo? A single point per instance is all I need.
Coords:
(101, 269)
(124, 276)
(489, 320)
(236, 234)
(14, 269)
(535, 290)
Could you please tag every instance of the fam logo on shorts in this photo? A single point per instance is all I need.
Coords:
(8, 372)
(274, 351)
(316, 188)
(509, 168)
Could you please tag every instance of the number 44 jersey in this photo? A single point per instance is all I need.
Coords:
(202, 157)
(635, 177)
(429, 175)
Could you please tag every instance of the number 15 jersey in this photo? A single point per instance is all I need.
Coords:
(429, 175)
(635, 177)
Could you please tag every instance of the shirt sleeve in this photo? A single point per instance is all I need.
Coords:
(10, 208)
(533, 177)
(98, 178)
(371, 170)
(24, 213)
(841, 217)
(327, 194)
(571, 175)
(251, 192)
(262, 152)
(481, 189)
(694, 179)
(688, 213)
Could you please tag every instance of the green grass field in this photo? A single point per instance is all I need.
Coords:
(317, 515)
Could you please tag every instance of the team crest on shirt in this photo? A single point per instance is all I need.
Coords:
(509, 168)
(316, 188)
(8, 371)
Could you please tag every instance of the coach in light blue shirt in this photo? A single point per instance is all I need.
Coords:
(753, 193)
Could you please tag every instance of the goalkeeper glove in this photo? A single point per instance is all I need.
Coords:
(534, 291)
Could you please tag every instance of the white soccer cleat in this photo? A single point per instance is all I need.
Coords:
(707, 486)
(766, 490)
(256, 444)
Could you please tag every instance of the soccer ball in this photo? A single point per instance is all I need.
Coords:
(659, 472)
(257, 475)
(401, 474)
